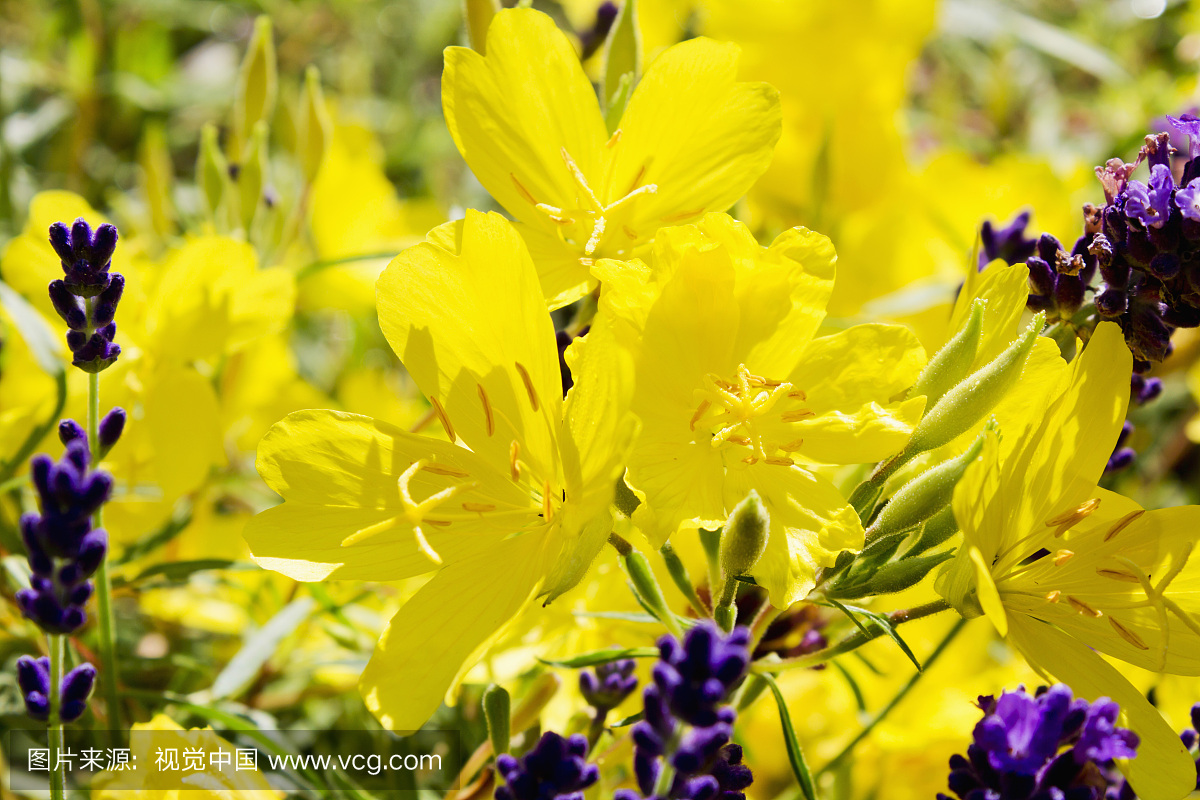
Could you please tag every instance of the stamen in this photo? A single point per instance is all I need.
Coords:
(1052, 597)
(1127, 634)
(1072, 517)
(780, 461)
(742, 440)
(1062, 557)
(547, 507)
(487, 410)
(798, 394)
(797, 415)
(1123, 523)
(580, 180)
(682, 215)
(479, 507)
(514, 452)
(704, 406)
(1117, 575)
(628, 231)
(1083, 608)
(444, 469)
(441, 523)
(792, 446)
(445, 420)
(521, 188)
(637, 179)
(612, 140)
(533, 398)
(597, 233)
(750, 460)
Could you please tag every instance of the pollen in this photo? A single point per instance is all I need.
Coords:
(488, 419)
(442, 418)
(1128, 635)
(1052, 597)
(612, 140)
(533, 398)
(1084, 608)
(1062, 557)
(1123, 523)
(745, 410)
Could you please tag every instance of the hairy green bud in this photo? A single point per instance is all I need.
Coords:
(745, 537)
(937, 530)
(895, 576)
(951, 363)
(497, 712)
(975, 397)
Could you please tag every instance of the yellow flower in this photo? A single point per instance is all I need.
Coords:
(735, 394)
(148, 782)
(520, 514)
(527, 122)
(1064, 568)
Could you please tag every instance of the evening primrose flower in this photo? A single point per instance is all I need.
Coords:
(735, 394)
(515, 505)
(1064, 568)
(526, 119)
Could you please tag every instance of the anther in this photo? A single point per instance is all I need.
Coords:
(441, 523)
(612, 140)
(445, 420)
(1072, 517)
(797, 415)
(443, 469)
(628, 231)
(547, 507)
(704, 406)
(1128, 635)
(479, 507)
(1084, 608)
(521, 188)
(1123, 523)
(487, 410)
(1062, 557)
(1117, 575)
(792, 446)
(514, 452)
(641, 173)
(533, 398)
(1052, 597)
(798, 394)
(779, 461)
(682, 215)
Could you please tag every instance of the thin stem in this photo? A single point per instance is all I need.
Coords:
(107, 628)
(854, 641)
(57, 779)
(895, 701)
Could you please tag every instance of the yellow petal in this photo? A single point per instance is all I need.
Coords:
(512, 112)
(811, 523)
(695, 132)
(682, 485)
(1162, 769)
(563, 274)
(445, 628)
(472, 329)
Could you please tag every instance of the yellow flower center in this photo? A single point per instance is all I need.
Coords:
(734, 413)
(593, 223)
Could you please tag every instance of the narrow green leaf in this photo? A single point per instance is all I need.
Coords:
(859, 700)
(601, 657)
(884, 624)
(180, 571)
(622, 55)
(795, 754)
(242, 669)
(630, 720)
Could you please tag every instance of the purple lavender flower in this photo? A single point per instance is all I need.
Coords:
(33, 677)
(1151, 204)
(555, 769)
(1008, 243)
(1047, 745)
(1187, 125)
(609, 685)
(63, 548)
(87, 296)
(687, 727)
(1187, 200)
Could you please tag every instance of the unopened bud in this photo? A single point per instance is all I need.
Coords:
(497, 712)
(211, 169)
(896, 576)
(927, 494)
(974, 397)
(951, 363)
(745, 537)
(314, 129)
(252, 175)
(940, 527)
(71, 431)
(110, 430)
(254, 100)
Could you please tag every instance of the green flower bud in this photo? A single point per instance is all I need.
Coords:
(744, 538)
(975, 397)
(925, 495)
(478, 14)
(497, 712)
(211, 169)
(254, 98)
(646, 587)
(156, 178)
(622, 61)
(252, 176)
(950, 364)
(895, 576)
(937, 530)
(314, 128)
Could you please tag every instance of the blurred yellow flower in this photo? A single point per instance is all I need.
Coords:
(527, 122)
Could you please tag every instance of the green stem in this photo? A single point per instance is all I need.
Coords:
(895, 701)
(107, 628)
(854, 641)
(57, 779)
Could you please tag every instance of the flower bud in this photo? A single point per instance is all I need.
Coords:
(498, 713)
(212, 170)
(894, 576)
(254, 100)
(745, 537)
(974, 397)
(927, 494)
(940, 527)
(76, 688)
(252, 175)
(71, 431)
(110, 429)
(645, 585)
(314, 127)
(950, 364)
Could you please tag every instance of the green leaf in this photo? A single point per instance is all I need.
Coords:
(630, 720)
(622, 57)
(795, 754)
(259, 646)
(180, 571)
(858, 695)
(885, 625)
(602, 657)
